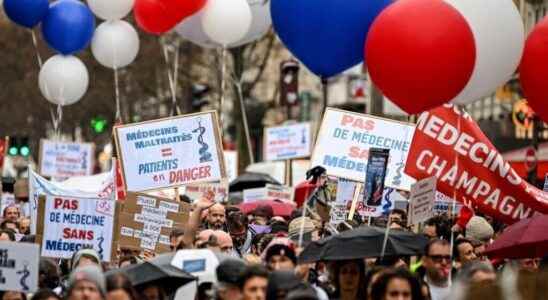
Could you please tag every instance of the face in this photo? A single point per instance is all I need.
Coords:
(483, 277)
(280, 263)
(216, 217)
(466, 253)
(11, 213)
(118, 294)
(85, 290)
(230, 293)
(259, 220)
(12, 296)
(175, 241)
(152, 293)
(238, 236)
(255, 288)
(479, 250)
(398, 289)
(438, 263)
(430, 231)
(4, 237)
(24, 226)
(529, 264)
(396, 218)
(226, 245)
(349, 277)
(86, 261)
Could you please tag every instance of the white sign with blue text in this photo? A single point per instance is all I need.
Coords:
(287, 142)
(64, 160)
(19, 263)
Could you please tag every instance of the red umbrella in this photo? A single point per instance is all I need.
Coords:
(280, 208)
(525, 239)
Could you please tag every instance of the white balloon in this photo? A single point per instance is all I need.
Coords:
(226, 21)
(63, 79)
(191, 28)
(499, 35)
(111, 9)
(115, 44)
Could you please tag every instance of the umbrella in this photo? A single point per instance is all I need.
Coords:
(525, 239)
(364, 242)
(250, 180)
(280, 208)
(157, 271)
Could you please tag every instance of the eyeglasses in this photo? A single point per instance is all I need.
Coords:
(440, 258)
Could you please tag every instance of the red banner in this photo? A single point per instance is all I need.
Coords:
(448, 144)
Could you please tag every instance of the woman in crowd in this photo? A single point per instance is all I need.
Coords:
(396, 284)
(348, 277)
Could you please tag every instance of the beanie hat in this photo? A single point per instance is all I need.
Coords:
(296, 224)
(88, 273)
(231, 271)
(280, 249)
(479, 229)
(88, 253)
(264, 211)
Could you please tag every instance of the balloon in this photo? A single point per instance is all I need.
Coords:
(326, 35)
(533, 70)
(226, 21)
(420, 53)
(115, 44)
(63, 79)
(192, 30)
(499, 37)
(111, 9)
(160, 16)
(68, 26)
(27, 13)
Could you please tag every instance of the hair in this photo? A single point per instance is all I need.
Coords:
(456, 245)
(380, 287)
(9, 232)
(6, 209)
(432, 243)
(44, 294)
(23, 295)
(443, 226)
(370, 274)
(255, 271)
(31, 238)
(132, 260)
(397, 211)
(6, 222)
(236, 220)
(120, 281)
(468, 270)
(48, 273)
(362, 291)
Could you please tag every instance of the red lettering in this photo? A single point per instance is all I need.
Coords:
(65, 204)
(359, 123)
(78, 234)
(346, 119)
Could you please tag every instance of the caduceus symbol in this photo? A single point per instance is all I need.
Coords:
(398, 178)
(205, 156)
(25, 274)
(100, 246)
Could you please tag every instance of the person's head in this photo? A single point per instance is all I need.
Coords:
(398, 218)
(9, 224)
(230, 276)
(48, 274)
(477, 272)
(280, 283)
(119, 287)
(224, 241)
(11, 213)
(45, 294)
(152, 292)
(255, 283)
(348, 276)
(85, 257)
(371, 277)
(528, 264)
(280, 256)
(437, 262)
(86, 283)
(175, 238)
(11, 295)
(216, 217)
(127, 260)
(237, 227)
(437, 227)
(24, 226)
(478, 228)
(7, 235)
(396, 284)
(310, 231)
(463, 251)
(262, 214)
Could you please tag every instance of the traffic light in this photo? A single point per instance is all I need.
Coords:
(19, 146)
(99, 125)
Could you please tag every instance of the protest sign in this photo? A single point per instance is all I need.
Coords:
(346, 191)
(68, 224)
(338, 213)
(19, 267)
(375, 176)
(170, 152)
(287, 142)
(269, 192)
(64, 160)
(421, 201)
(276, 169)
(196, 190)
(231, 164)
(298, 171)
(344, 141)
(449, 145)
(146, 222)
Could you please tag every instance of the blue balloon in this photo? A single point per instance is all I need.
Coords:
(68, 26)
(27, 13)
(328, 36)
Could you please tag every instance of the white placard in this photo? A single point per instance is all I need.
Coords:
(171, 152)
(345, 194)
(71, 224)
(19, 267)
(64, 160)
(421, 201)
(338, 212)
(276, 169)
(197, 190)
(231, 164)
(270, 192)
(343, 144)
(287, 142)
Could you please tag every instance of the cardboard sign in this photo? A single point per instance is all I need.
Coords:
(19, 266)
(146, 222)
(338, 213)
(196, 190)
(231, 164)
(68, 224)
(421, 202)
(270, 192)
(344, 141)
(171, 152)
(64, 160)
(287, 142)
(449, 145)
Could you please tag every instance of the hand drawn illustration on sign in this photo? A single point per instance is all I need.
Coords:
(25, 273)
(205, 156)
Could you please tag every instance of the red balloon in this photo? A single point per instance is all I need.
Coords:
(160, 16)
(534, 69)
(420, 53)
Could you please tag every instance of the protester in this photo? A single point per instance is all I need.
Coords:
(436, 268)
(398, 219)
(215, 217)
(238, 229)
(255, 283)
(176, 237)
(463, 251)
(11, 213)
(280, 255)
(396, 284)
(24, 226)
(9, 224)
(86, 283)
(280, 283)
(231, 274)
(11, 295)
(262, 215)
(349, 280)
(477, 272)
(48, 274)
(119, 287)
(45, 294)
(437, 227)
(7, 235)
(85, 257)
(310, 232)
(152, 291)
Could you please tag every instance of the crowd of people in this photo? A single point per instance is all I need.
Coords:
(261, 261)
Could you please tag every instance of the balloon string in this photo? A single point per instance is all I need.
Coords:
(223, 85)
(118, 116)
(57, 124)
(244, 119)
(177, 109)
(35, 44)
(460, 115)
(171, 77)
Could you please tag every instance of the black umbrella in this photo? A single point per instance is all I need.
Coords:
(364, 242)
(250, 180)
(157, 271)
